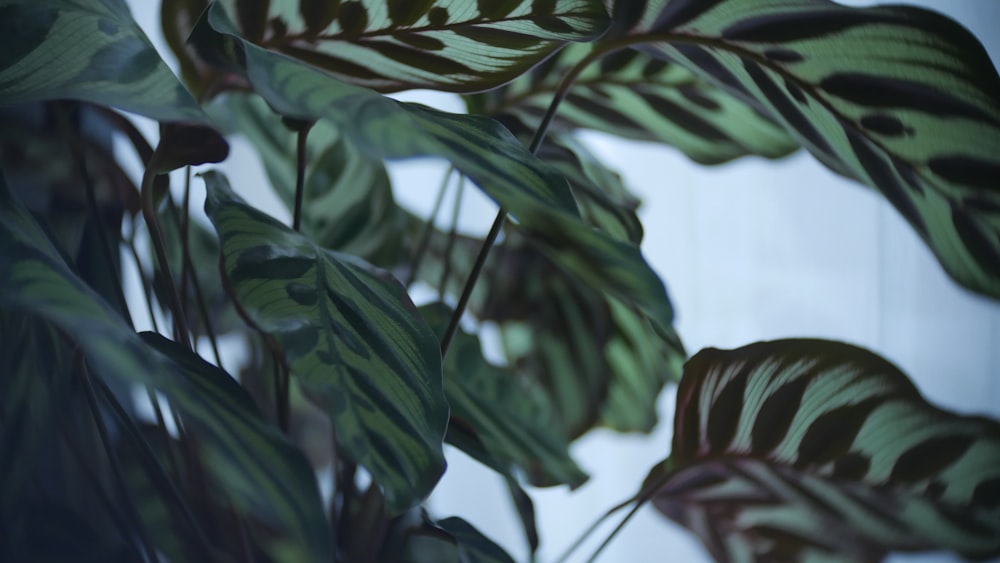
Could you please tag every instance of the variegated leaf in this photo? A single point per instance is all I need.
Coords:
(797, 448)
(348, 205)
(631, 94)
(253, 467)
(349, 335)
(92, 51)
(507, 419)
(391, 45)
(535, 195)
(898, 98)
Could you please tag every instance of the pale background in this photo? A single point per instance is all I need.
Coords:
(751, 250)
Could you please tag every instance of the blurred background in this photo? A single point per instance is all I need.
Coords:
(751, 250)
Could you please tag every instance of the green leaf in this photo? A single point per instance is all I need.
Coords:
(898, 98)
(473, 546)
(348, 203)
(350, 335)
(535, 195)
(633, 95)
(451, 540)
(391, 45)
(91, 51)
(798, 448)
(263, 476)
(510, 422)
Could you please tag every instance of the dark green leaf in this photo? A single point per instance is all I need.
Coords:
(536, 196)
(91, 51)
(350, 335)
(348, 203)
(798, 448)
(452, 540)
(508, 417)
(631, 94)
(898, 98)
(391, 45)
(263, 476)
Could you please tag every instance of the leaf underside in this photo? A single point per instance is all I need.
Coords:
(791, 449)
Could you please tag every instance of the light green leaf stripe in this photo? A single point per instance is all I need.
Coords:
(451, 45)
(534, 194)
(818, 446)
(897, 98)
(264, 476)
(631, 94)
(86, 50)
(352, 338)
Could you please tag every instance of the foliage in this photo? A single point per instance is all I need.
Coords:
(789, 450)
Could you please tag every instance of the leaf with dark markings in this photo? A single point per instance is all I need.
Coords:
(898, 98)
(633, 95)
(535, 195)
(793, 449)
(262, 476)
(350, 336)
(392, 45)
(90, 51)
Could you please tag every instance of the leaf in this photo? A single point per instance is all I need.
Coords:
(506, 417)
(91, 51)
(348, 203)
(452, 540)
(794, 447)
(633, 95)
(391, 45)
(264, 477)
(534, 194)
(473, 546)
(897, 98)
(350, 335)
(599, 361)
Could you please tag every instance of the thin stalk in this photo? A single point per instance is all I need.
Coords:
(79, 155)
(116, 470)
(300, 173)
(618, 528)
(593, 527)
(281, 393)
(452, 235)
(182, 227)
(536, 142)
(181, 332)
(155, 471)
(425, 233)
(147, 292)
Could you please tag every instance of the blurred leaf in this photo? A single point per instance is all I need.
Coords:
(91, 51)
(265, 478)
(897, 98)
(392, 45)
(633, 95)
(798, 449)
(350, 335)
(348, 203)
(509, 417)
(535, 194)
(453, 540)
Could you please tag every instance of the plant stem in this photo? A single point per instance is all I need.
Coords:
(425, 233)
(452, 235)
(300, 172)
(281, 395)
(536, 142)
(116, 470)
(147, 293)
(181, 332)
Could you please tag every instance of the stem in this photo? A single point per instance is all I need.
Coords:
(300, 173)
(182, 228)
(536, 142)
(452, 235)
(116, 469)
(281, 395)
(181, 332)
(614, 532)
(425, 234)
(147, 293)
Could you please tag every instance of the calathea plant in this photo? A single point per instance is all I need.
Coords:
(791, 450)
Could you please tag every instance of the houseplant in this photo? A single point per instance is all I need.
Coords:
(795, 448)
